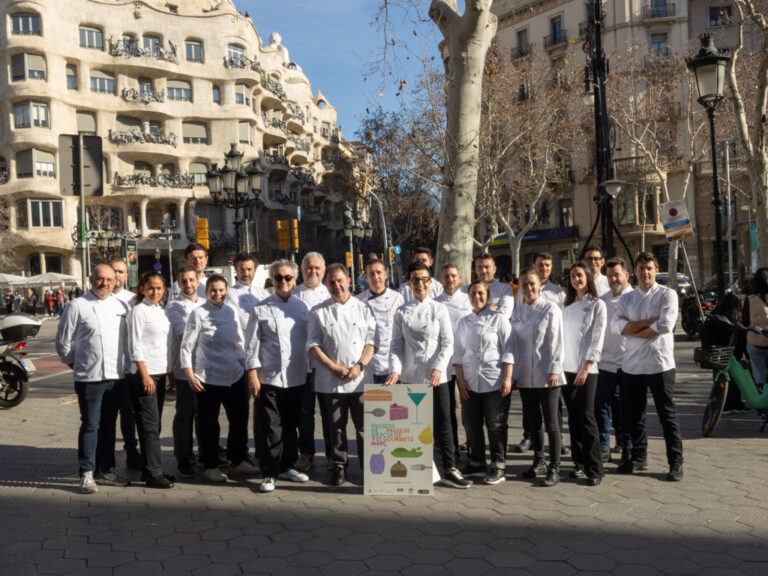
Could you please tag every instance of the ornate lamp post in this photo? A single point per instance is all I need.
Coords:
(709, 68)
(236, 187)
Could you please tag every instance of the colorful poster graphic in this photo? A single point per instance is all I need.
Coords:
(398, 439)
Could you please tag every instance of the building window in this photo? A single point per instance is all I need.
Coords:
(235, 53)
(566, 213)
(242, 95)
(145, 85)
(244, 133)
(179, 90)
(194, 132)
(523, 44)
(91, 38)
(659, 44)
(102, 82)
(71, 77)
(26, 23)
(151, 44)
(86, 123)
(27, 114)
(720, 15)
(173, 8)
(35, 162)
(625, 209)
(216, 95)
(194, 51)
(199, 171)
(45, 214)
(28, 66)
(213, 212)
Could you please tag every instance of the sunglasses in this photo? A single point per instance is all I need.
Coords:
(421, 280)
(286, 278)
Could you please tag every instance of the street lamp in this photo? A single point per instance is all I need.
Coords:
(236, 187)
(709, 67)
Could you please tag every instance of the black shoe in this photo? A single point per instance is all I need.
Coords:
(606, 456)
(535, 469)
(470, 470)
(626, 467)
(112, 478)
(577, 472)
(185, 470)
(626, 454)
(338, 478)
(553, 477)
(641, 465)
(524, 446)
(134, 461)
(495, 476)
(675, 473)
(158, 482)
(594, 481)
(565, 451)
(454, 478)
(145, 476)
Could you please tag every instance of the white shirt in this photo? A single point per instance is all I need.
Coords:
(384, 307)
(213, 345)
(649, 355)
(583, 329)
(311, 297)
(549, 291)
(277, 340)
(601, 284)
(614, 342)
(435, 289)
(126, 296)
(175, 292)
(149, 338)
(244, 299)
(92, 337)
(480, 348)
(537, 343)
(500, 295)
(342, 331)
(458, 306)
(422, 341)
(178, 312)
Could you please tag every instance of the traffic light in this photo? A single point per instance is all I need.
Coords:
(201, 232)
(283, 235)
(295, 234)
(391, 255)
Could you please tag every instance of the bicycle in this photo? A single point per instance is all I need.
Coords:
(729, 369)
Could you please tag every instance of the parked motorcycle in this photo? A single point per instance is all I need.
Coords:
(694, 312)
(15, 369)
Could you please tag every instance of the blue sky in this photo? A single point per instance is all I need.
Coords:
(332, 40)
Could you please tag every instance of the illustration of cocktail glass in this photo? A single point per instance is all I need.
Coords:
(416, 398)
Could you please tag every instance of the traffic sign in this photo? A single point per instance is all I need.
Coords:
(397, 250)
(158, 266)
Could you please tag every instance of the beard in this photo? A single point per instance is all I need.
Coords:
(616, 289)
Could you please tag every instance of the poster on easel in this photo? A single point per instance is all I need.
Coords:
(398, 440)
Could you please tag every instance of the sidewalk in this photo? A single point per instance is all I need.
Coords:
(714, 522)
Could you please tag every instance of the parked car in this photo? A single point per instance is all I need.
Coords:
(683, 281)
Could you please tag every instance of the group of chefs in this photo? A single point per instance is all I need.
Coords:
(597, 346)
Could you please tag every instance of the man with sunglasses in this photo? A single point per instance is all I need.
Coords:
(593, 258)
(277, 367)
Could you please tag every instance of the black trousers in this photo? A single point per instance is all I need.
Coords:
(662, 387)
(454, 421)
(488, 409)
(538, 402)
(234, 398)
(279, 412)
(184, 421)
(148, 409)
(585, 436)
(442, 408)
(340, 407)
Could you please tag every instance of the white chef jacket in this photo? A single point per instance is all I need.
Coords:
(311, 297)
(175, 292)
(244, 299)
(537, 343)
(178, 312)
(92, 337)
(501, 295)
(213, 345)
(480, 348)
(614, 342)
(584, 329)
(384, 307)
(601, 284)
(422, 341)
(435, 289)
(277, 340)
(458, 306)
(126, 296)
(649, 355)
(342, 331)
(549, 291)
(149, 339)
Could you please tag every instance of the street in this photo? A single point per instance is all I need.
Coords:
(713, 522)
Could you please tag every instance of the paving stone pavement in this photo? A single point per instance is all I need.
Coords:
(713, 522)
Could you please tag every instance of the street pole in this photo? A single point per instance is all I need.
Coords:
(383, 231)
(729, 212)
(352, 261)
(83, 228)
(247, 234)
(717, 202)
(170, 256)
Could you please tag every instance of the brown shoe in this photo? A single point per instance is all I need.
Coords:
(305, 463)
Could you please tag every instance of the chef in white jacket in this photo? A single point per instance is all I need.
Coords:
(91, 339)
(421, 349)
(244, 295)
(341, 341)
(502, 296)
(423, 255)
(537, 343)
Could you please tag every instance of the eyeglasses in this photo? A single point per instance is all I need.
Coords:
(286, 278)
(593, 258)
(421, 279)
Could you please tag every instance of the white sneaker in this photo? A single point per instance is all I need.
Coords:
(294, 476)
(267, 485)
(214, 475)
(245, 468)
(88, 484)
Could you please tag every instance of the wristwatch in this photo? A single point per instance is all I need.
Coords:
(362, 366)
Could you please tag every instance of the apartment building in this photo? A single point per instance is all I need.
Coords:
(166, 86)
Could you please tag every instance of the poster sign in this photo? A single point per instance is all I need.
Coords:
(398, 439)
(131, 260)
(674, 218)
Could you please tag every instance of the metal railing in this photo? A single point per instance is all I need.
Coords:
(658, 10)
(556, 38)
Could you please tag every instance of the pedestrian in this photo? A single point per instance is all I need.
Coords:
(17, 301)
(75, 292)
(537, 344)
(61, 299)
(502, 295)
(341, 342)
(594, 259)
(30, 305)
(423, 255)
(212, 356)
(647, 318)
(276, 361)
(610, 399)
(195, 256)
(422, 348)
(91, 339)
(9, 301)
(584, 320)
(50, 303)
(149, 345)
(755, 313)
(185, 418)
(483, 362)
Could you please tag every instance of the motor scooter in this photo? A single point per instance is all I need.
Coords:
(15, 368)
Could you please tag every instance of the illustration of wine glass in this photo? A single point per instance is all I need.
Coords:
(416, 398)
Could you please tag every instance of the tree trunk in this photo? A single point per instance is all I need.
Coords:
(466, 38)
